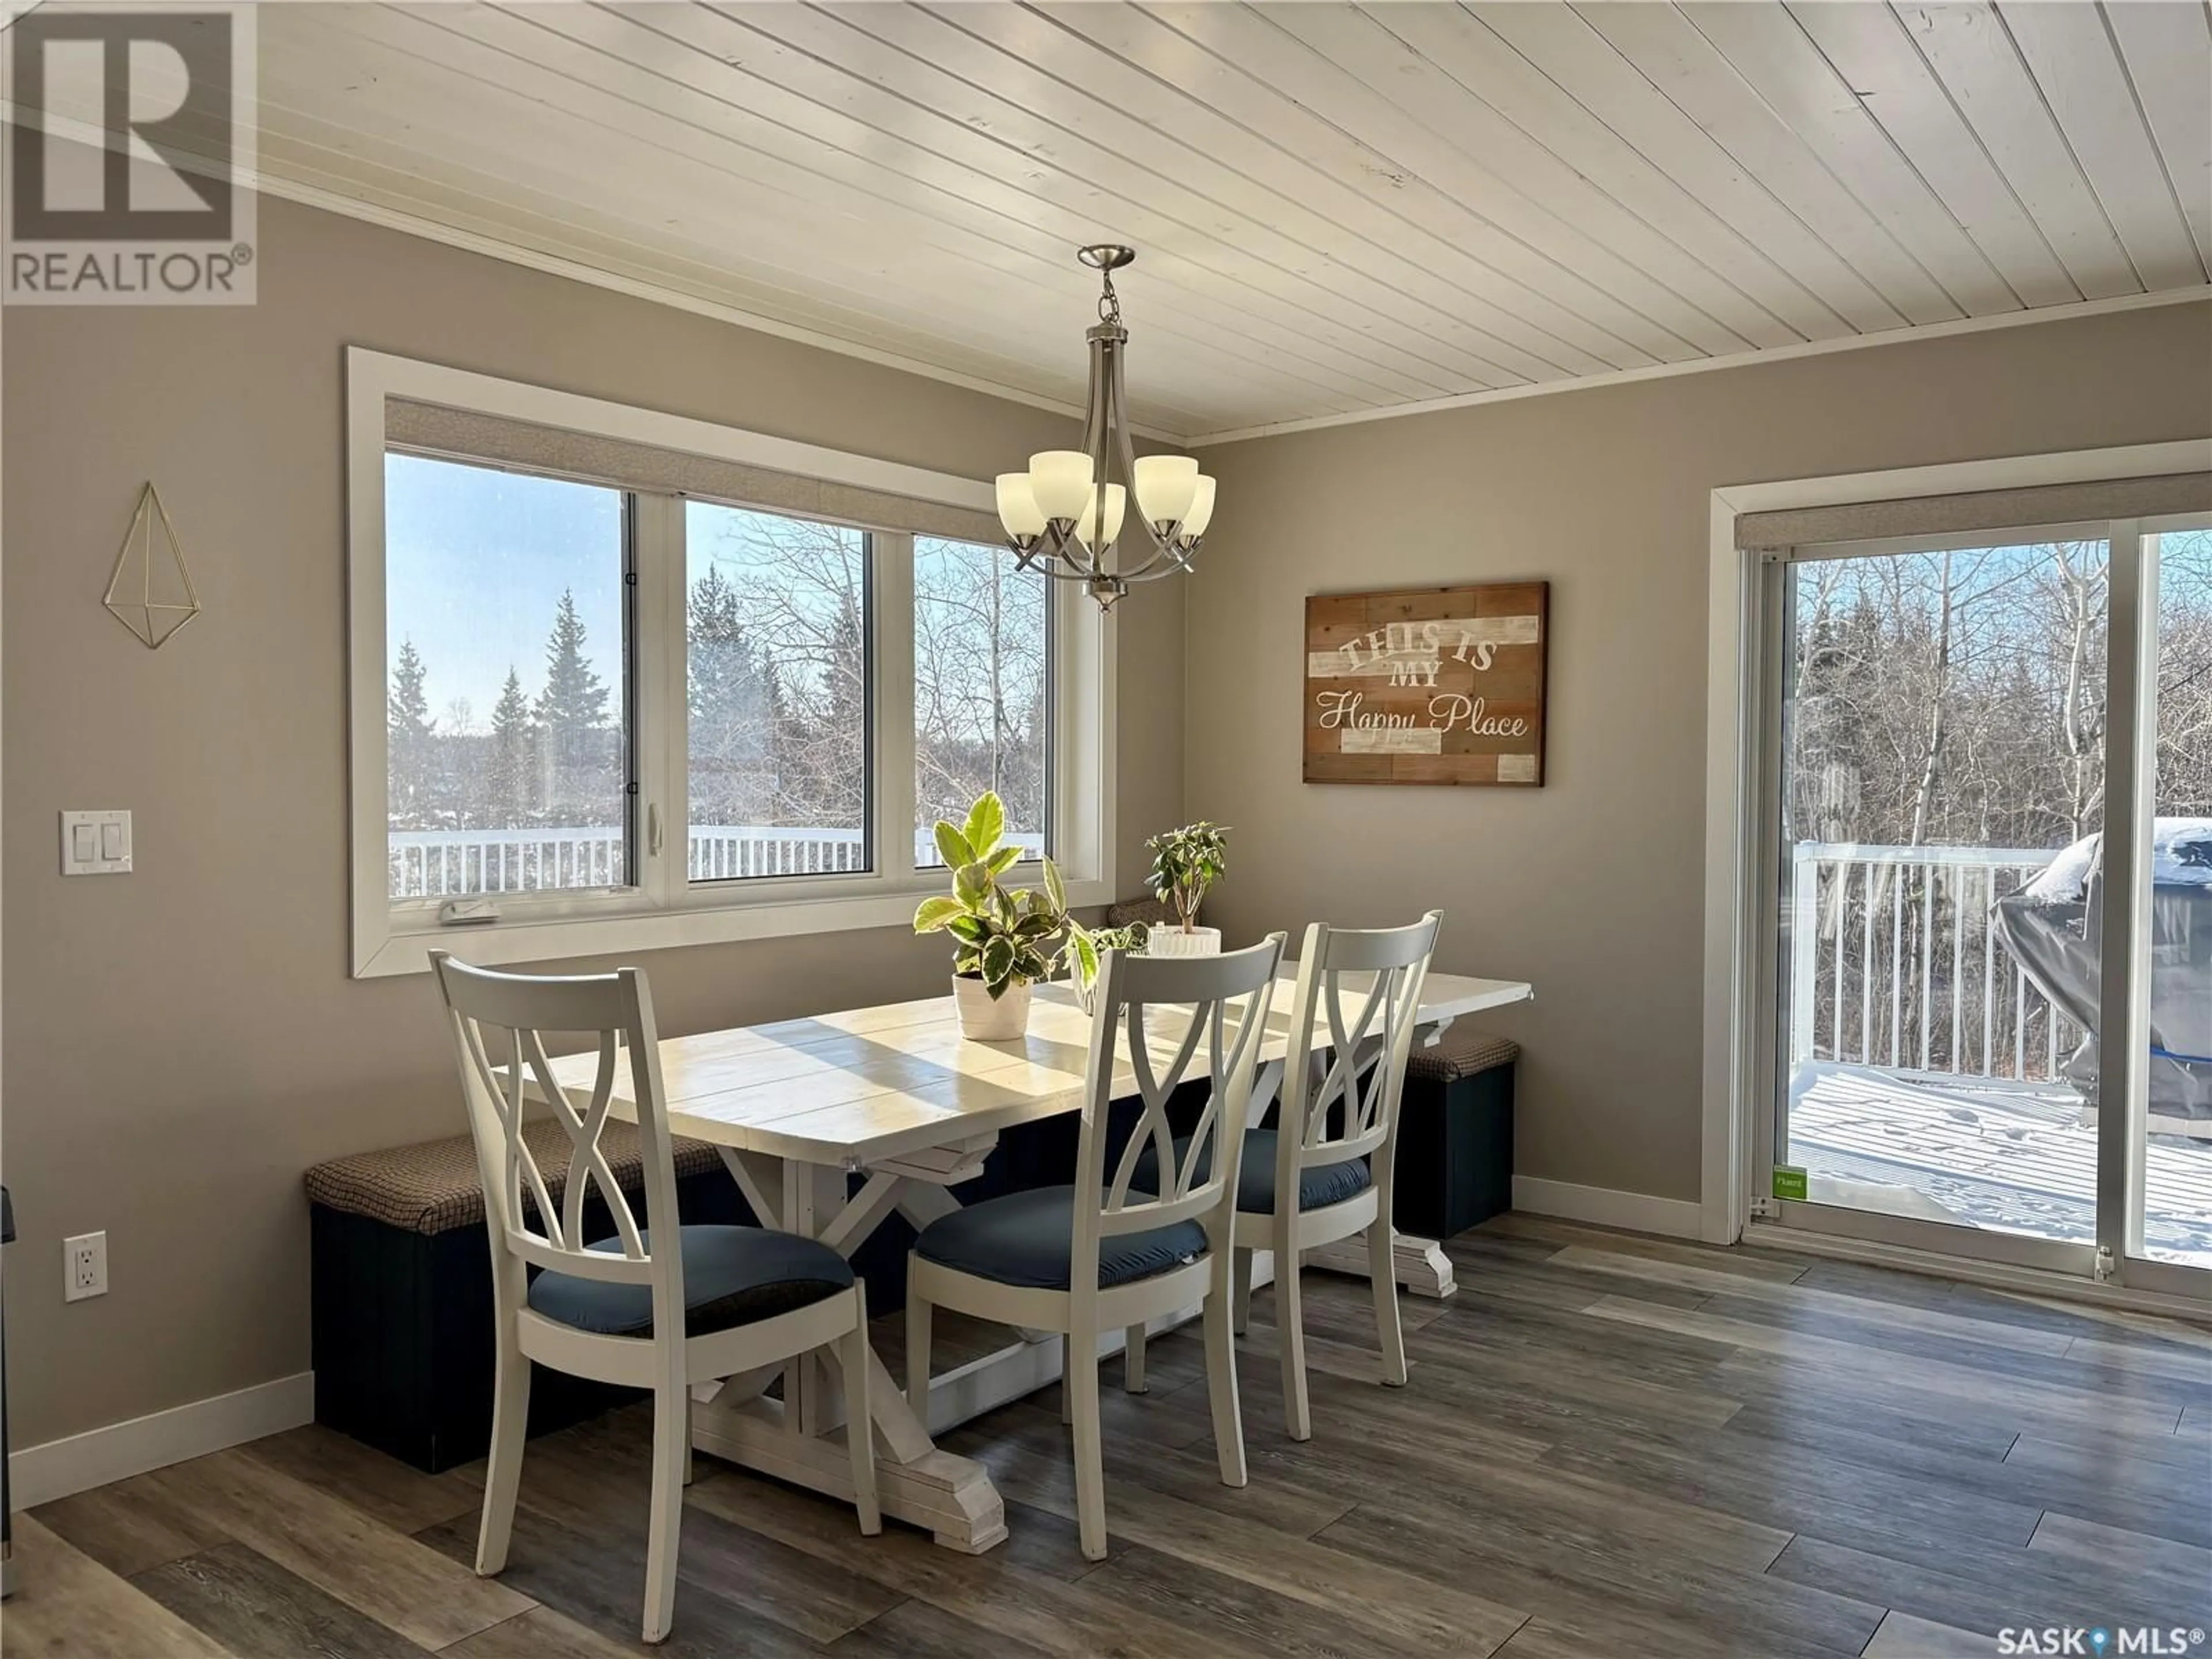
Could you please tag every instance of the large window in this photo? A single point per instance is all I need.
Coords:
(622, 680)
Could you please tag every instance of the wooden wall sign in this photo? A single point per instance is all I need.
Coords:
(1427, 685)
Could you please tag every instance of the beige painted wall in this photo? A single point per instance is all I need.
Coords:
(1592, 887)
(183, 1041)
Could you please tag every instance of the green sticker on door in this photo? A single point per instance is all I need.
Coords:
(1788, 1182)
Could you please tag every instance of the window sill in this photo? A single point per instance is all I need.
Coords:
(403, 944)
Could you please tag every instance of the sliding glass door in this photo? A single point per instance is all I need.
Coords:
(1942, 755)
(2169, 1155)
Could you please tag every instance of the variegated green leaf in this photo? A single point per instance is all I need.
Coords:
(934, 913)
(952, 847)
(987, 822)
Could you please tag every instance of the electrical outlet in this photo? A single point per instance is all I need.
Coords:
(84, 1266)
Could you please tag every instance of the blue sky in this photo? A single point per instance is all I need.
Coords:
(475, 563)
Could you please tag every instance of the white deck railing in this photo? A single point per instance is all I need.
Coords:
(1894, 964)
(435, 863)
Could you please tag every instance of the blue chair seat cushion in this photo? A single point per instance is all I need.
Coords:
(732, 1276)
(1025, 1239)
(1320, 1185)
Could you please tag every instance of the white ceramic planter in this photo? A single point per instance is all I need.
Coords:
(1169, 941)
(982, 1020)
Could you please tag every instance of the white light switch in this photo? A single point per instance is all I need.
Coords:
(96, 843)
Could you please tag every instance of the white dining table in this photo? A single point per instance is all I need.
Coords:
(895, 1096)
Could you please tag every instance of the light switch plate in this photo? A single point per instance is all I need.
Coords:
(96, 843)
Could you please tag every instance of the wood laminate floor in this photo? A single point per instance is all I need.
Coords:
(1611, 1446)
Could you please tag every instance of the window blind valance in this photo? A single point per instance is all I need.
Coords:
(461, 435)
(1995, 509)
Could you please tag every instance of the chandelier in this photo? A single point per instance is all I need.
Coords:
(1064, 516)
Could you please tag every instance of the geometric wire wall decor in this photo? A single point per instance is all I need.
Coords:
(151, 592)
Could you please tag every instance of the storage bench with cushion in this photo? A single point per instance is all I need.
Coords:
(402, 1316)
(1455, 1134)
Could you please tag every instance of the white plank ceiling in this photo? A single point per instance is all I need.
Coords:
(1339, 209)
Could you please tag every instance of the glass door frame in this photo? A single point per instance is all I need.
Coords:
(2131, 808)
(2124, 1034)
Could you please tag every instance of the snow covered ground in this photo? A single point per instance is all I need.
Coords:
(1985, 1154)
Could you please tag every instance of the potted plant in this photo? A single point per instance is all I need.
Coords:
(1185, 863)
(1085, 945)
(1003, 940)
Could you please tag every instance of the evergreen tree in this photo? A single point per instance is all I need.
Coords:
(836, 765)
(409, 729)
(574, 698)
(576, 762)
(733, 716)
(512, 740)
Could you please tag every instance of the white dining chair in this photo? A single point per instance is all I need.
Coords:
(1327, 1170)
(723, 1301)
(1109, 1252)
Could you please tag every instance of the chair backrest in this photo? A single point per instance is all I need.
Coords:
(1182, 1018)
(499, 1023)
(1353, 1016)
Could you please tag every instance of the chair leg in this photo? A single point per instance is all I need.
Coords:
(1133, 1360)
(1079, 1387)
(859, 1426)
(690, 1470)
(1382, 1272)
(1291, 1348)
(665, 1523)
(1221, 1385)
(917, 1352)
(1241, 1292)
(510, 1424)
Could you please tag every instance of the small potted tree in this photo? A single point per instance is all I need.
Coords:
(1003, 940)
(1186, 862)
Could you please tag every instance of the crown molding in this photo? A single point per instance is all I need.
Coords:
(640, 288)
(534, 257)
(658, 293)
(2201, 292)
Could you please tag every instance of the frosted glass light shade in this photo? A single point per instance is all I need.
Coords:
(1018, 507)
(1059, 479)
(1165, 484)
(1117, 502)
(1202, 508)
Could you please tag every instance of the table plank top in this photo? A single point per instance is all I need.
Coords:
(855, 1088)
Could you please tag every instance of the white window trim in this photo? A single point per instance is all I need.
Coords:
(665, 910)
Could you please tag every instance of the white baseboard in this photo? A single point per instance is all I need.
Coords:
(39, 1475)
(1608, 1206)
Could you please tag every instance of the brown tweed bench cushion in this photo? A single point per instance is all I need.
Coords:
(1461, 1051)
(1153, 912)
(434, 1187)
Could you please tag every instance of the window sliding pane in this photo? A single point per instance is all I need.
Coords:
(2177, 1162)
(777, 653)
(508, 713)
(982, 711)
(1943, 786)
